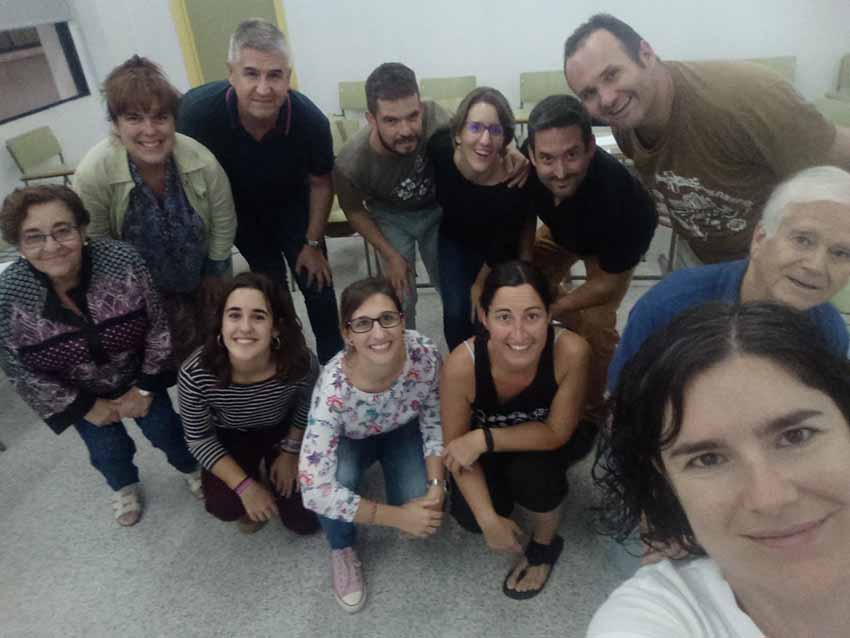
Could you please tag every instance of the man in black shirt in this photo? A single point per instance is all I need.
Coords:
(595, 211)
(275, 146)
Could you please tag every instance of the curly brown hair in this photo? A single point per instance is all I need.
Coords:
(292, 358)
(18, 202)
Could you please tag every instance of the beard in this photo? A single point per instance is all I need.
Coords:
(399, 140)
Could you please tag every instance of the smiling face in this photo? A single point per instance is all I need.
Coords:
(60, 261)
(611, 85)
(247, 327)
(480, 151)
(379, 345)
(261, 82)
(397, 125)
(760, 469)
(806, 261)
(561, 159)
(148, 136)
(517, 322)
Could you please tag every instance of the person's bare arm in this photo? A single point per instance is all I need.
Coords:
(572, 359)
(839, 154)
(352, 202)
(599, 288)
(456, 392)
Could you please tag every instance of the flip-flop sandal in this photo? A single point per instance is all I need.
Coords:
(535, 554)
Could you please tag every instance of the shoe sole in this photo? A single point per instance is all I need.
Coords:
(351, 609)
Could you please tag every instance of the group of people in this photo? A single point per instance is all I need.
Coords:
(725, 433)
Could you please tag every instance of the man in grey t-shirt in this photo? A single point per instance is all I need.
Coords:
(385, 182)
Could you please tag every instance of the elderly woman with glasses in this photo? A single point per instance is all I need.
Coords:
(84, 340)
(486, 219)
(378, 400)
(162, 192)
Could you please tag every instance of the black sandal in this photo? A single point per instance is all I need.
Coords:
(535, 554)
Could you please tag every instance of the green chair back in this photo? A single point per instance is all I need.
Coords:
(536, 85)
(834, 109)
(34, 148)
(352, 97)
(446, 88)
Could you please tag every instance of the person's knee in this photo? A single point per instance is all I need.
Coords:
(539, 484)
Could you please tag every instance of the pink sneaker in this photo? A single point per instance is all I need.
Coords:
(349, 588)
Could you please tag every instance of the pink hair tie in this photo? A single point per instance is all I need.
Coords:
(243, 485)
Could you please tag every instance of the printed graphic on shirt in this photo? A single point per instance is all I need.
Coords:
(481, 418)
(703, 213)
(418, 185)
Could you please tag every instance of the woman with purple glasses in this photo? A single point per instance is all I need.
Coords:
(485, 220)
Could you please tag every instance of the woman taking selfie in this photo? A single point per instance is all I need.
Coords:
(730, 440)
(378, 400)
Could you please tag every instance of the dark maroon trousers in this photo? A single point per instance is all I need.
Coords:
(248, 449)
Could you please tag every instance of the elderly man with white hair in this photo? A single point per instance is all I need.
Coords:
(275, 146)
(799, 256)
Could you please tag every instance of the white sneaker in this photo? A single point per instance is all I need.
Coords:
(127, 504)
(348, 585)
(193, 480)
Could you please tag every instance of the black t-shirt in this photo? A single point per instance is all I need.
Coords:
(610, 217)
(269, 178)
(486, 218)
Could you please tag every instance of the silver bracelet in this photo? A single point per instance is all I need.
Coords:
(438, 482)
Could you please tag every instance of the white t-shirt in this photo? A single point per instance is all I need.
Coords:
(667, 600)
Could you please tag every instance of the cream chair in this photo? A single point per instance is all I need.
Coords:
(35, 153)
(447, 92)
(352, 97)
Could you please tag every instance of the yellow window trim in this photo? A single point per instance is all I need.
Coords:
(183, 26)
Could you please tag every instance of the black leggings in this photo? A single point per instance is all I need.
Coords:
(535, 480)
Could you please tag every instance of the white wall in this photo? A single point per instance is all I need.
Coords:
(494, 39)
(497, 39)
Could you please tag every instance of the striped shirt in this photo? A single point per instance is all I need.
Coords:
(205, 406)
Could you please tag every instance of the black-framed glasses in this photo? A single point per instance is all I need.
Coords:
(388, 319)
(478, 128)
(61, 234)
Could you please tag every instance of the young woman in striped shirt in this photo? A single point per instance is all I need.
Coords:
(244, 399)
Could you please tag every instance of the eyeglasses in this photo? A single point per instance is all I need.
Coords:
(478, 128)
(387, 319)
(61, 234)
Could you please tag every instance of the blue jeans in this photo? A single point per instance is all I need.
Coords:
(400, 455)
(321, 303)
(111, 449)
(459, 266)
(404, 229)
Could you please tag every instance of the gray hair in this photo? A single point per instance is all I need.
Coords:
(819, 183)
(259, 34)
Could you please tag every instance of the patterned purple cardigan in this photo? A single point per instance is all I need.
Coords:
(59, 362)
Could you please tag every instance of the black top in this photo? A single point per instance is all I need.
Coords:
(269, 177)
(610, 217)
(486, 218)
(532, 404)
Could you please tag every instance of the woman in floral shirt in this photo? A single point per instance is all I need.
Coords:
(378, 400)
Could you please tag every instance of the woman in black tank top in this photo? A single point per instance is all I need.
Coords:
(510, 406)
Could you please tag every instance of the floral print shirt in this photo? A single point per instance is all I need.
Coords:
(338, 409)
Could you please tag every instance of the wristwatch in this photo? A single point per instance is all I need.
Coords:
(438, 482)
(144, 393)
(312, 243)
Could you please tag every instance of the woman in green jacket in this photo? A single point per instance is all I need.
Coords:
(162, 192)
